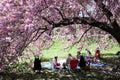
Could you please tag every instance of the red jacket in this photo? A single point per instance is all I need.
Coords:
(97, 54)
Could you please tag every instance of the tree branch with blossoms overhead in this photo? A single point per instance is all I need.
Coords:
(24, 21)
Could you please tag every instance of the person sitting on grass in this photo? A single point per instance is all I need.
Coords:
(82, 62)
(89, 57)
(64, 66)
(37, 64)
(69, 58)
(89, 53)
(78, 55)
(97, 54)
(56, 64)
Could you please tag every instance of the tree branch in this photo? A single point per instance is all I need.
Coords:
(83, 35)
(104, 9)
(60, 13)
(80, 38)
(39, 35)
(44, 18)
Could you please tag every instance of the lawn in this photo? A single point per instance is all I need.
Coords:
(57, 50)
(23, 71)
(111, 71)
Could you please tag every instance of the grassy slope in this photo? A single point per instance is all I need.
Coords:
(57, 50)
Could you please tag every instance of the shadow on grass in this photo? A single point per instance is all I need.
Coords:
(111, 71)
(59, 75)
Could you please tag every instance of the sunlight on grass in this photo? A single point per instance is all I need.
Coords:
(57, 50)
(112, 49)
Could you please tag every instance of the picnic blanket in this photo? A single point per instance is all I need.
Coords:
(98, 64)
(49, 64)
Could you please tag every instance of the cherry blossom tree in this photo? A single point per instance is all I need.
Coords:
(25, 21)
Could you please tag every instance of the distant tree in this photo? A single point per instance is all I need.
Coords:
(25, 21)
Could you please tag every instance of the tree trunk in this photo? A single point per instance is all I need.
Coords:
(116, 31)
(113, 29)
(116, 35)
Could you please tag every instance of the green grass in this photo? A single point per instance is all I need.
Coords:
(57, 50)
(112, 49)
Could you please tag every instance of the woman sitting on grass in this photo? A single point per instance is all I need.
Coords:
(69, 58)
(56, 63)
(89, 58)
